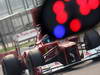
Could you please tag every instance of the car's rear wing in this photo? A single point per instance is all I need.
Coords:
(23, 36)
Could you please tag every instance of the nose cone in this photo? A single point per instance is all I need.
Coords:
(73, 16)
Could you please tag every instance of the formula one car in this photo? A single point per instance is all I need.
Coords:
(49, 56)
(63, 53)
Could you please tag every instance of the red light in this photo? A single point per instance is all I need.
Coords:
(87, 5)
(81, 2)
(75, 25)
(84, 10)
(94, 4)
(61, 15)
(62, 18)
(58, 7)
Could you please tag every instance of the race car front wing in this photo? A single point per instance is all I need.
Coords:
(56, 66)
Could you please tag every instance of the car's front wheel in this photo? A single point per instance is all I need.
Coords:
(91, 39)
(34, 59)
(11, 65)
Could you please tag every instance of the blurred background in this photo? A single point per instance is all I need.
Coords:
(15, 18)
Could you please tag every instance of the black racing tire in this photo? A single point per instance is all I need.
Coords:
(34, 59)
(11, 65)
(91, 39)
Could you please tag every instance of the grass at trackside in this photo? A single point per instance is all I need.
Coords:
(8, 49)
(13, 48)
(26, 44)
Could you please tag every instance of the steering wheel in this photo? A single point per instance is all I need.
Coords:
(62, 18)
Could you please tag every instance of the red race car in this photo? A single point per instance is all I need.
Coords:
(49, 55)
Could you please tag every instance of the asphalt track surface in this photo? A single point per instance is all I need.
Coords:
(86, 68)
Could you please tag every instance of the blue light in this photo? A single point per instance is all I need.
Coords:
(59, 31)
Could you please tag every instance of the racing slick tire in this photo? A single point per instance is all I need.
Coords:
(91, 39)
(34, 59)
(11, 65)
